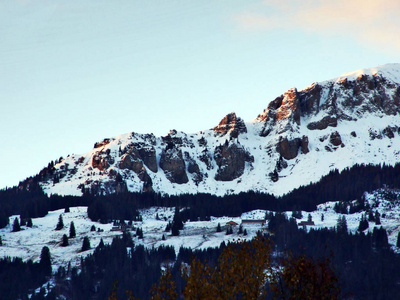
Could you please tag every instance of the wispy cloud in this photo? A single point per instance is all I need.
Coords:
(368, 21)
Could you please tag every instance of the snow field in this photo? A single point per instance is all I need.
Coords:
(28, 243)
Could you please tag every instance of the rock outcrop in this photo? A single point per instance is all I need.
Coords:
(194, 169)
(282, 114)
(102, 160)
(335, 139)
(231, 159)
(231, 124)
(288, 149)
(323, 123)
(148, 155)
(173, 165)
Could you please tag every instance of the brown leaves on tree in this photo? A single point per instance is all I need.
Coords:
(165, 289)
(303, 278)
(240, 273)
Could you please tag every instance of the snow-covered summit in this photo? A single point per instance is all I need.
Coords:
(388, 71)
(297, 139)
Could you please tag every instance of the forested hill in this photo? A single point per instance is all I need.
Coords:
(347, 185)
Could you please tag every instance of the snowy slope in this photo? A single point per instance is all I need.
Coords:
(28, 243)
(301, 136)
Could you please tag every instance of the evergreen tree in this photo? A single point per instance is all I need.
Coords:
(168, 227)
(93, 228)
(29, 223)
(322, 217)
(240, 229)
(101, 244)
(45, 261)
(16, 226)
(1, 242)
(245, 231)
(139, 233)
(85, 244)
(309, 218)
(163, 237)
(64, 241)
(398, 240)
(60, 224)
(380, 238)
(67, 209)
(219, 227)
(72, 232)
(4, 220)
(341, 226)
(377, 218)
(174, 229)
(229, 230)
(177, 223)
(371, 216)
(363, 224)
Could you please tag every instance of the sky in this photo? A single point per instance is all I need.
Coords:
(75, 72)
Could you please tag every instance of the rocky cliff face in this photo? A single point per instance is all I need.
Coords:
(298, 138)
(231, 125)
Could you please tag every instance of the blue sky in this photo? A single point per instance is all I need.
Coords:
(75, 72)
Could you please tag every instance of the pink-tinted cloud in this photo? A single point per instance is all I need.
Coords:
(369, 21)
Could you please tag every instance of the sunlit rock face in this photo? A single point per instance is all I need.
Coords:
(297, 139)
(231, 124)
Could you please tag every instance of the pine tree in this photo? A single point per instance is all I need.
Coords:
(377, 218)
(371, 216)
(60, 224)
(163, 237)
(101, 244)
(67, 209)
(85, 244)
(229, 230)
(4, 220)
(16, 226)
(168, 227)
(398, 240)
(341, 226)
(363, 224)
(139, 233)
(322, 217)
(64, 241)
(219, 227)
(1, 242)
(240, 229)
(45, 261)
(72, 232)
(29, 223)
(309, 218)
(177, 223)
(93, 228)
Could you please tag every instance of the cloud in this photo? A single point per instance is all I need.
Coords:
(373, 22)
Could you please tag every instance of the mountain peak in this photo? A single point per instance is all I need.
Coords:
(300, 137)
(388, 71)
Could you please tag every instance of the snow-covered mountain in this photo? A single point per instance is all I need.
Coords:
(299, 137)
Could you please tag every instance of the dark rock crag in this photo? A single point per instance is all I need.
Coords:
(231, 124)
(231, 159)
